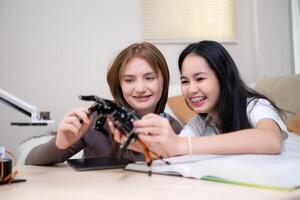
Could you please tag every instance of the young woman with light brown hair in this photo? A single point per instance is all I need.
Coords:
(138, 79)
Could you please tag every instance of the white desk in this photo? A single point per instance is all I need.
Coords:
(62, 182)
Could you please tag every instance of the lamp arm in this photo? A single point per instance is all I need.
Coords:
(23, 107)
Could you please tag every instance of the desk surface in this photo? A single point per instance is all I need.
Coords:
(62, 182)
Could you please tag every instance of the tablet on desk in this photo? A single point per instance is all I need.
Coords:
(85, 164)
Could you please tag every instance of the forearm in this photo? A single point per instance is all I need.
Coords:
(49, 154)
(44, 154)
(260, 141)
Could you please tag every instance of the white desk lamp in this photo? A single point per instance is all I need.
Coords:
(37, 119)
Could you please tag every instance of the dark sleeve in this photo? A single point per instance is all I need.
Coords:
(177, 127)
(49, 154)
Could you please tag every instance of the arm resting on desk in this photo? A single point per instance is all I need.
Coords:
(49, 154)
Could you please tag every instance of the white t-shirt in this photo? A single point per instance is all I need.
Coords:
(257, 110)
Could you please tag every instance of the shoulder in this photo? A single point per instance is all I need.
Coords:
(258, 103)
(258, 109)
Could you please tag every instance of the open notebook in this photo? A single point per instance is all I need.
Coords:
(280, 172)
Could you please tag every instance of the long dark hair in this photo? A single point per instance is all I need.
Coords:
(234, 94)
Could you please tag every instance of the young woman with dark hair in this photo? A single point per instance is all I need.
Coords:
(234, 95)
(232, 118)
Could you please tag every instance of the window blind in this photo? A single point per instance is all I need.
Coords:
(187, 20)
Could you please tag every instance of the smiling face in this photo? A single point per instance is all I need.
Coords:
(141, 86)
(199, 85)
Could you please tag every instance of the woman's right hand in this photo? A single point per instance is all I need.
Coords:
(72, 127)
(119, 137)
(158, 132)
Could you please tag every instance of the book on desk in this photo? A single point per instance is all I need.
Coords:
(278, 172)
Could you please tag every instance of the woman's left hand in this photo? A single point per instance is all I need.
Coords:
(158, 132)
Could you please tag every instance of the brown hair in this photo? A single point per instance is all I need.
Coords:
(156, 60)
